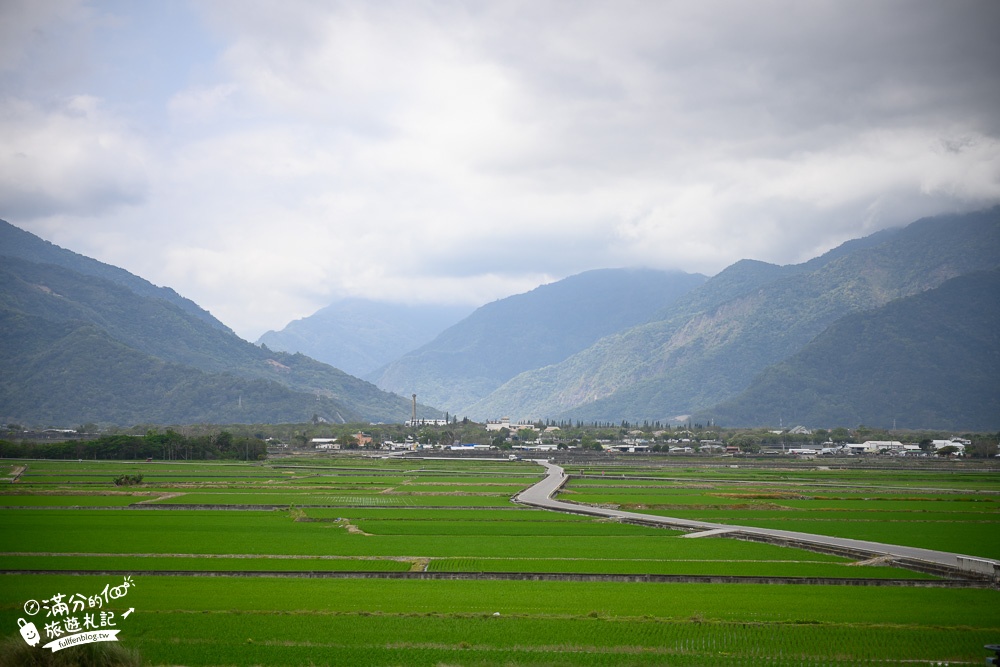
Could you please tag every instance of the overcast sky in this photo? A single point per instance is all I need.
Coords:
(267, 158)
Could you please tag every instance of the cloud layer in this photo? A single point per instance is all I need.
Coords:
(265, 158)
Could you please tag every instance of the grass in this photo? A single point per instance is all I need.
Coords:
(146, 563)
(970, 608)
(7, 500)
(456, 516)
(506, 528)
(295, 621)
(763, 568)
(920, 508)
(276, 532)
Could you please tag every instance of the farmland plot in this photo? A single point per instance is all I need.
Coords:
(194, 621)
(958, 513)
(457, 517)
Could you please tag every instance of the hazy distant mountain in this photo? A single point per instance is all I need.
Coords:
(526, 331)
(927, 361)
(79, 347)
(710, 344)
(360, 336)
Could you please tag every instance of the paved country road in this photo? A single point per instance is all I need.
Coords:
(540, 495)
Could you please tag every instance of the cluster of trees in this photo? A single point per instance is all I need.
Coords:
(128, 480)
(167, 446)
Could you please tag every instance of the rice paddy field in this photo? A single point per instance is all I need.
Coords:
(929, 506)
(367, 561)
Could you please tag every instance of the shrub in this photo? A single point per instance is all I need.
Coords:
(15, 652)
(128, 480)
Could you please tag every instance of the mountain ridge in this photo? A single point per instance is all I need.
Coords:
(528, 330)
(360, 336)
(140, 335)
(852, 373)
(16, 242)
(711, 347)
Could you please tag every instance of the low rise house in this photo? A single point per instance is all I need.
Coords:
(504, 423)
(958, 443)
(876, 446)
(408, 446)
(426, 422)
(325, 443)
(496, 425)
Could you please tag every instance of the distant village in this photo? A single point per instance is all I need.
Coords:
(529, 439)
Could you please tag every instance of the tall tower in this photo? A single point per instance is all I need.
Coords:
(413, 416)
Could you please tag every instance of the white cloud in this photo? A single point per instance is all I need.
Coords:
(453, 151)
(70, 158)
(27, 27)
(202, 104)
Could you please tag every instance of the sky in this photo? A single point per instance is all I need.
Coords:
(268, 158)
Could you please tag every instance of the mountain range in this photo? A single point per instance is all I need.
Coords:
(469, 360)
(710, 344)
(931, 360)
(899, 327)
(87, 342)
(359, 336)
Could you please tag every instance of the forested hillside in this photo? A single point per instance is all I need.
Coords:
(79, 347)
(18, 243)
(526, 331)
(929, 360)
(708, 347)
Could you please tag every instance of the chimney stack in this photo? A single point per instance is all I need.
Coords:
(413, 417)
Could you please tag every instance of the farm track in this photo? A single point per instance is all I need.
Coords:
(529, 576)
(48, 554)
(254, 508)
(404, 559)
(710, 483)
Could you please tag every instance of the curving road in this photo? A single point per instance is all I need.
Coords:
(540, 495)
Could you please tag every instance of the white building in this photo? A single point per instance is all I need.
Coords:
(325, 443)
(876, 446)
(408, 446)
(958, 443)
(504, 422)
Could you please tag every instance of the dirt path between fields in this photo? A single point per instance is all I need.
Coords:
(527, 576)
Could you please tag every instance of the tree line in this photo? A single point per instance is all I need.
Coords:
(167, 446)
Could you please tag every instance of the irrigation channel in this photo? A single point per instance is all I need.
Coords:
(940, 563)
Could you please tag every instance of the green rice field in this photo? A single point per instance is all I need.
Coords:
(251, 549)
(957, 512)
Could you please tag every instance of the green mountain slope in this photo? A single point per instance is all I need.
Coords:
(18, 243)
(526, 331)
(927, 361)
(67, 373)
(117, 335)
(360, 336)
(713, 342)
